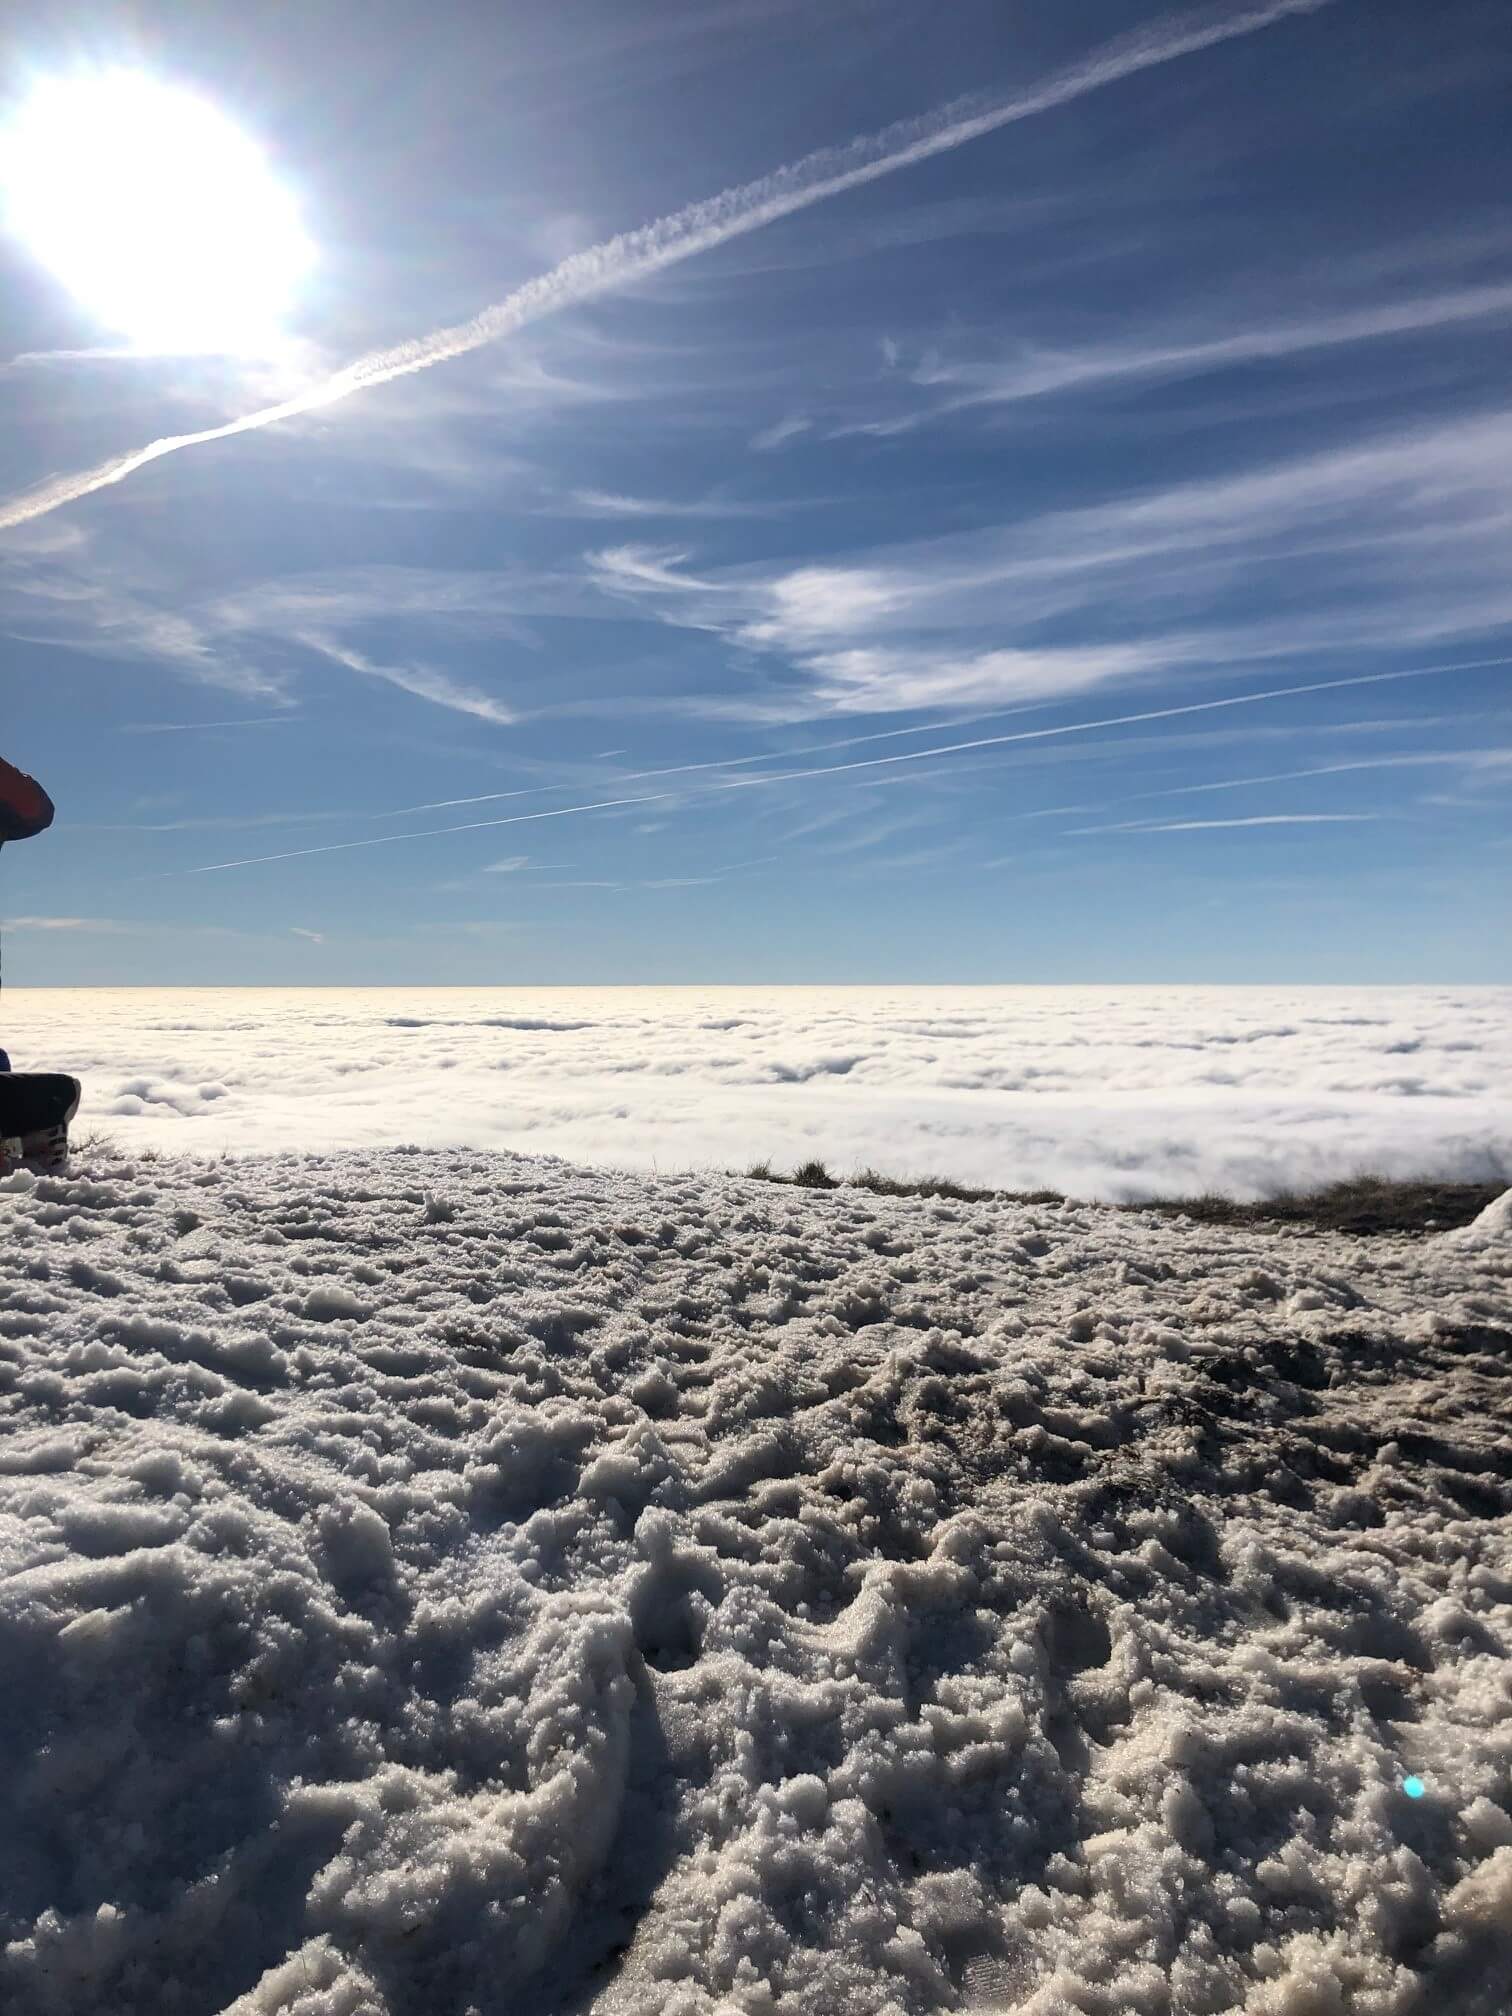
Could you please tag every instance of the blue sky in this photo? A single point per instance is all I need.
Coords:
(879, 594)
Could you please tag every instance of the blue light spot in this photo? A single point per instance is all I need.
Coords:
(1414, 1787)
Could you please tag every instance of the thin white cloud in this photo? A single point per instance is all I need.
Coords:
(315, 937)
(829, 747)
(435, 832)
(866, 763)
(110, 924)
(868, 681)
(1396, 540)
(640, 570)
(195, 727)
(1116, 721)
(1455, 758)
(614, 504)
(780, 432)
(423, 681)
(1490, 762)
(1214, 825)
(324, 602)
(1037, 372)
(63, 598)
(637, 255)
(822, 602)
(216, 822)
(41, 360)
(243, 641)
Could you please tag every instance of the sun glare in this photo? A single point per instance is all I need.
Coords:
(155, 211)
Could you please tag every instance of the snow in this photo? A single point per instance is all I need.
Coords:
(1120, 1093)
(443, 1581)
(1490, 1232)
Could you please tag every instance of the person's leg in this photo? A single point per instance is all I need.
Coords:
(35, 1109)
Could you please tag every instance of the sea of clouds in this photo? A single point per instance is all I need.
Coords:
(1115, 1093)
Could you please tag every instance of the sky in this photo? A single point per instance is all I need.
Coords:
(844, 494)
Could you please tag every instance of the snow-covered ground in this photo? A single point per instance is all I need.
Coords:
(440, 1581)
(1125, 1092)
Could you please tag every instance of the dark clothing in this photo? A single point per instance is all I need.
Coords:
(25, 808)
(33, 1101)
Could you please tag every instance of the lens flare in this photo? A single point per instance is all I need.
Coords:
(157, 213)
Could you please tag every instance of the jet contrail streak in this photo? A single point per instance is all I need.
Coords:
(719, 762)
(430, 833)
(1219, 825)
(867, 763)
(635, 255)
(1112, 721)
(855, 741)
(1411, 762)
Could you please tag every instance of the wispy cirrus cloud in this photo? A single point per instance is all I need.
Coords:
(250, 641)
(700, 227)
(1043, 370)
(63, 593)
(425, 682)
(871, 680)
(615, 504)
(93, 924)
(329, 602)
(1393, 540)
(93, 353)
(780, 433)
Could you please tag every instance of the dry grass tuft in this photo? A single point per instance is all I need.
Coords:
(1364, 1204)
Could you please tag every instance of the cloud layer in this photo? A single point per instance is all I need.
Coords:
(1116, 1093)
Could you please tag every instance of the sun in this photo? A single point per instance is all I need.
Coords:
(158, 214)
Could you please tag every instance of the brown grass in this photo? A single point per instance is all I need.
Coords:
(1364, 1204)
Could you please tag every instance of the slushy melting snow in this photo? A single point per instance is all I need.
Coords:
(442, 1582)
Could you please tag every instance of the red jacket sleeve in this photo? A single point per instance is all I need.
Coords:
(25, 807)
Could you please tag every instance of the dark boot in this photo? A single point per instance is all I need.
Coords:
(35, 1109)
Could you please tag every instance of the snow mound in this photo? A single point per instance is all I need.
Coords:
(1491, 1229)
(448, 1582)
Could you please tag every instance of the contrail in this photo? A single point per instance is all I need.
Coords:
(894, 734)
(1410, 762)
(719, 762)
(192, 727)
(1216, 825)
(1112, 721)
(430, 833)
(635, 255)
(866, 763)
